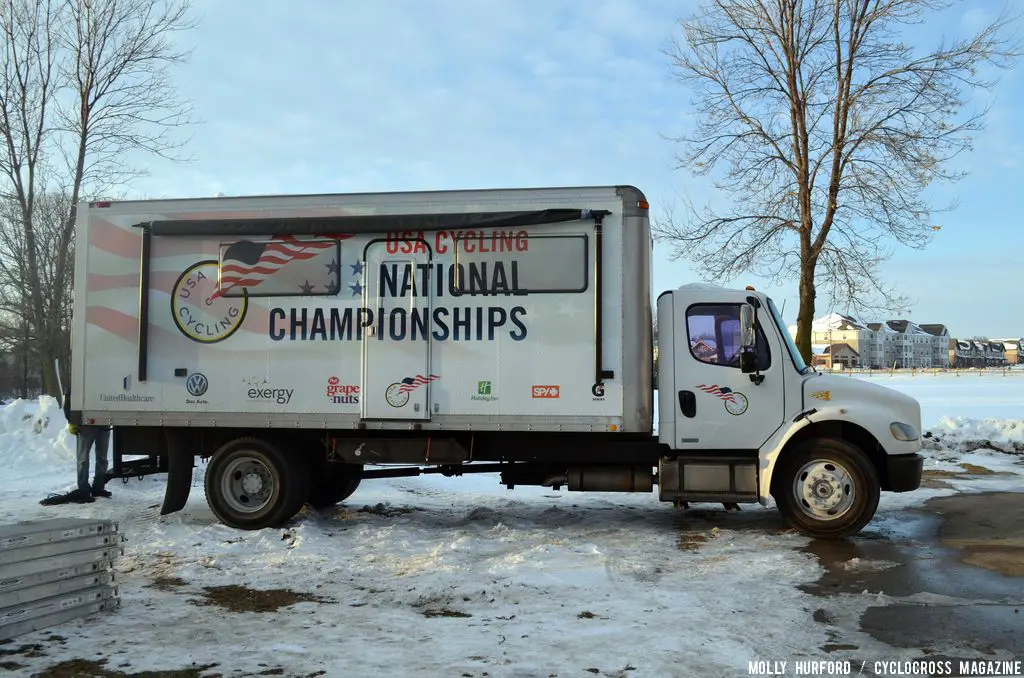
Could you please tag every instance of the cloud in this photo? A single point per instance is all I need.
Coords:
(454, 93)
(413, 95)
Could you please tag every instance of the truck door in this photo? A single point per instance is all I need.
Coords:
(717, 406)
(396, 343)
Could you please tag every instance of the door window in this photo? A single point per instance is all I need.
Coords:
(714, 335)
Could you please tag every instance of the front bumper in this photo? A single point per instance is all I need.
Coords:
(903, 472)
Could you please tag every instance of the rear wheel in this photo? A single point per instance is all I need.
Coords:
(826, 487)
(251, 485)
(333, 483)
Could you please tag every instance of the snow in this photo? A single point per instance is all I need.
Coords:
(458, 576)
(834, 321)
(971, 394)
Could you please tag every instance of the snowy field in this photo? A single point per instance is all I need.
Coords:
(460, 577)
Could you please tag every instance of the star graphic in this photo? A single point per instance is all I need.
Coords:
(332, 286)
(357, 289)
(357, 268)
(333, 268)
(307, 288)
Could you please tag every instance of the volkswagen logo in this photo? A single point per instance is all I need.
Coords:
(197, 384)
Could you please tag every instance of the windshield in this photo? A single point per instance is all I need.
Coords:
(798, 360)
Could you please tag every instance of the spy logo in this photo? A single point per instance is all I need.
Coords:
(199, 309)
(197, 384)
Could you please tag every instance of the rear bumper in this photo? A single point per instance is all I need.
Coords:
(904, 472)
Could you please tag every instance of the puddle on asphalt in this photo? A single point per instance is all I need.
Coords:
(988, 529)
(967, 546)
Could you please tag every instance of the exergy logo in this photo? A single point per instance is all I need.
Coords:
(261, 391)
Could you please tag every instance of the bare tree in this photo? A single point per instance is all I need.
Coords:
(85, 83)
(827, 129)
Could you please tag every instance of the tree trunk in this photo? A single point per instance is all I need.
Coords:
(805, 317)
(47, 377)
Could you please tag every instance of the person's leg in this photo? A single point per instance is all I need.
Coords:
(102, 445)
(86, 437)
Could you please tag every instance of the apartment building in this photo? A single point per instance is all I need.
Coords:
(834, 355)
(862, 344)
(898, 343)
(840, 340)
(1013, 351)
(984, 352)
(939, 344)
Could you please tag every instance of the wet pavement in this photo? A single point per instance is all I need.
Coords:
(948, 578)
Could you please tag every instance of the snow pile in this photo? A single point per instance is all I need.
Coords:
(34, 438)
(964, 434)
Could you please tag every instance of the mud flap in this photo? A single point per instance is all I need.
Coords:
(180, 463)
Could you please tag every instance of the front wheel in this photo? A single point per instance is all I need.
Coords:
(826, 488)
(251, 485)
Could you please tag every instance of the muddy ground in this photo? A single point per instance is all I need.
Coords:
(949, 578)
(961, 569)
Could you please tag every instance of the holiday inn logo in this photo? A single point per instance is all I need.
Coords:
(483, 392)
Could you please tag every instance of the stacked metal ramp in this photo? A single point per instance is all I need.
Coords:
(53, 571)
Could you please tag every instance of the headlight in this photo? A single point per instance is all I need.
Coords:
(901, 431)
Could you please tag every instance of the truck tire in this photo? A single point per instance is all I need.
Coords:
(827, 488)
(333, 484)
(251, 485)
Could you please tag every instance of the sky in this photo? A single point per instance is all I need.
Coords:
(406, 95)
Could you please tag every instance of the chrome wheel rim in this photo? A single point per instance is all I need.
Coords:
(247, 485)
(824, 490)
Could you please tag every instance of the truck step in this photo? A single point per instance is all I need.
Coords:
(709, 478)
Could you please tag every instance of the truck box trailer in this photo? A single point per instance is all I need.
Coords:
(306, 343)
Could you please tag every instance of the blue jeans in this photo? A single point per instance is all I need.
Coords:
(87, 437)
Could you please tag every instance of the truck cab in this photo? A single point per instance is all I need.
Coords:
(747, 420)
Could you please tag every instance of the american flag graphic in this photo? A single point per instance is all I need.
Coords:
(413, 383)
(113, 277)
(722, 392)
(246, 264)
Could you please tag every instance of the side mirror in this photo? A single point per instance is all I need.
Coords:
(748, 361)
(748, 340)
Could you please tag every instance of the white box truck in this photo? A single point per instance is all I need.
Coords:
(305, 343)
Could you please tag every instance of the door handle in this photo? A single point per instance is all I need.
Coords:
(688, 403)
